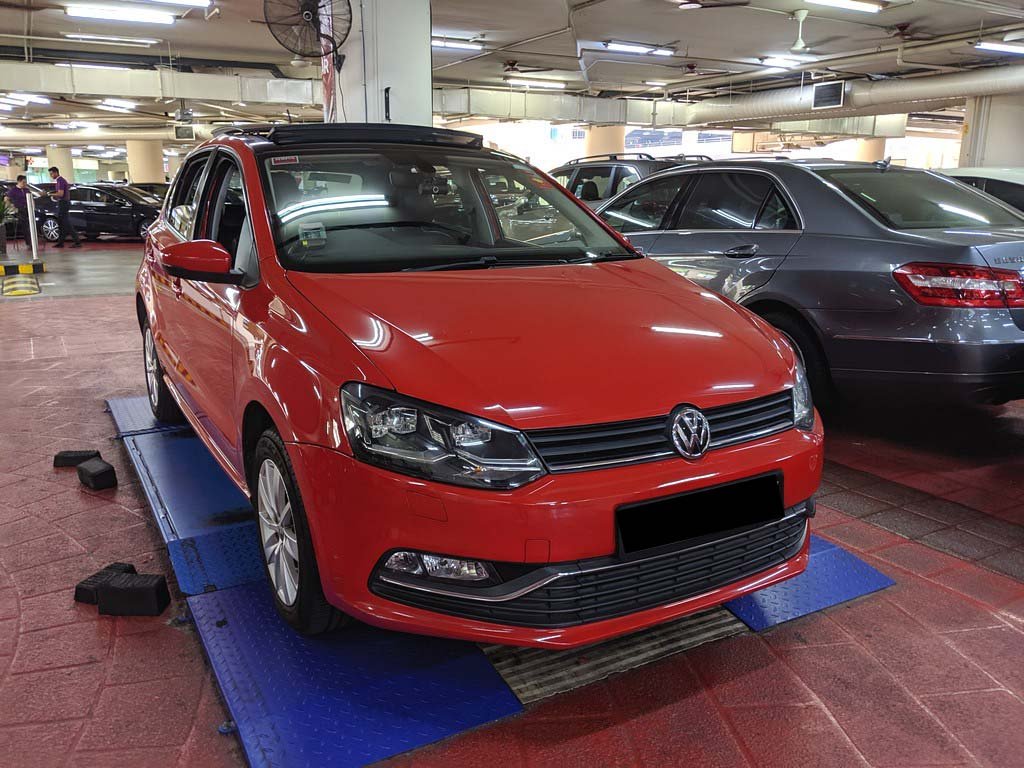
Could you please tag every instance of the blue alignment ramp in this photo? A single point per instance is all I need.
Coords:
(349, 698)
(346, 699)
(207, 523)
(833, 576)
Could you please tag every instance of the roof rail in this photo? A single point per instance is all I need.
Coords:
(700, 158)
(371, 133)
(613, 156)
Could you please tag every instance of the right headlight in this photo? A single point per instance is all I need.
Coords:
(416, 438)
(803, 407)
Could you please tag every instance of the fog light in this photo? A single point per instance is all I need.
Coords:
(405, 562)
(453, 568)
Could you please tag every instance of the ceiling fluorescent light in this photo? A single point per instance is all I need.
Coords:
(98, 147)
(848, 5)
(108, 108)
(778, 61)
(76, 65)
(663, 52)
(12, 102)
(32, 150)
(121, 13)
(123, 103)
(185, 3)
(986, 45)
(689, 6)
(35, 99)
(628, 47)
(655, 83)
(531, 83)
(6, 107)
(466, 45)
(84, 38)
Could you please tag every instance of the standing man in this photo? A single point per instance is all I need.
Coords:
(16, 195)
(61, 195)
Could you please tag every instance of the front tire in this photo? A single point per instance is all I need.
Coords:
(161, 401)
(50, 229)
(288, 556)
(815, 363)
(144, 228)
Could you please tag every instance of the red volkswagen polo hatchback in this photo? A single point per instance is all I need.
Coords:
(461, 405)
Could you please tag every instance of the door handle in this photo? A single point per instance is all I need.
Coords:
(743, 251)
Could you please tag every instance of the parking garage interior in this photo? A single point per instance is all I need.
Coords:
(826, 190)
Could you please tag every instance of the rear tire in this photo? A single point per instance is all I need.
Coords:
(161, 401)
(826, 399)
(288, 556)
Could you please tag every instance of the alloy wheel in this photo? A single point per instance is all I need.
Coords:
(152, 368)
(51, 230)
(277, 532)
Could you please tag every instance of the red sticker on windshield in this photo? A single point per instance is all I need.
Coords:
(286, 160)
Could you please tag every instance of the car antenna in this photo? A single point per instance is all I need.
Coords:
(883, 165)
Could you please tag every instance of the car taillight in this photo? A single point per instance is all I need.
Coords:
(952, 285)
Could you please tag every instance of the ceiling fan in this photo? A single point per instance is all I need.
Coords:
(511, 67)
(800, 45)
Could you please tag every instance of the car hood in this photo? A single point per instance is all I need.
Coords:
(554, 345)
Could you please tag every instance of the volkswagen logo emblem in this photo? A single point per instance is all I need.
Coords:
(691, 433)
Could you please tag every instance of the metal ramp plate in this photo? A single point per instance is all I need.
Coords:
(833, 576)
(346, 699)
(206, 522)
(133, 416)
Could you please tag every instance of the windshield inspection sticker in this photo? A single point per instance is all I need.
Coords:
(313, 234)
(285, 160)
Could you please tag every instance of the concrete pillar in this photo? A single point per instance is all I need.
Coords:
(605, 140)
(61, 157)
(386, 76)
(15, 167)
(992, 130)
(145, 161)
(869, 150)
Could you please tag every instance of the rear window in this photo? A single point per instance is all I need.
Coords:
(906, 199)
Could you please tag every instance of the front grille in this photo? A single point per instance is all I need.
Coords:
(595, 590)
(573, 449)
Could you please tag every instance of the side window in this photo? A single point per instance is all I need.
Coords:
(776, 214)
(593, 183)
(724, 201)
(562, 177)
(185, 195)
(1008, 192)
(644, 207)
(627, 177)
(226, 218)
(974, 181)
(78, 195)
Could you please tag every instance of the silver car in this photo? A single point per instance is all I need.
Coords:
(881, 276)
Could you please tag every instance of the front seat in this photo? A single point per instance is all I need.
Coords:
(589, 191)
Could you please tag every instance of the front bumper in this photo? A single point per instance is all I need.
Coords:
(358, 513)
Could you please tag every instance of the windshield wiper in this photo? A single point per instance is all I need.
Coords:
(484, 262)
(612, 256)
(462, 238)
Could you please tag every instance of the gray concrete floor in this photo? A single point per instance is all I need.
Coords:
(100, 268)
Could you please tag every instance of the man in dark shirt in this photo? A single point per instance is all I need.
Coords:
(16, 195)
(61, 195)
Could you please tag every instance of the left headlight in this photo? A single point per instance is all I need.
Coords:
(417, 438)
(803, 407)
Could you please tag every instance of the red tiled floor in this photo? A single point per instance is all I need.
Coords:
(970, 717)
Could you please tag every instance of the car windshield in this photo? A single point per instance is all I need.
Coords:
(138, 196)
(394, 208)
(906, 199)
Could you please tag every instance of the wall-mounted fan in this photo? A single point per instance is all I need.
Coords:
(311, 28)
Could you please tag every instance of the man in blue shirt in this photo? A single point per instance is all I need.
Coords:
(61, 195)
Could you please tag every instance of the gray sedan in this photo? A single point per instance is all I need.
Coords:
(880, 275)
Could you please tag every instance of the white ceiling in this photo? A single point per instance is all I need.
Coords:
(708, 42)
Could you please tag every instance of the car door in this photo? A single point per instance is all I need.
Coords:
(171, 332)
(208, 309)
(640, 213)
(732, 231)
(592, 184)
(80, 208)
(113, 213)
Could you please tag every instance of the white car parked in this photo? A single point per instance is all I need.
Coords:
(1007, 184)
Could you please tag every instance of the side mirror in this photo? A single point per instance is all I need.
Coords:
(202, 260)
